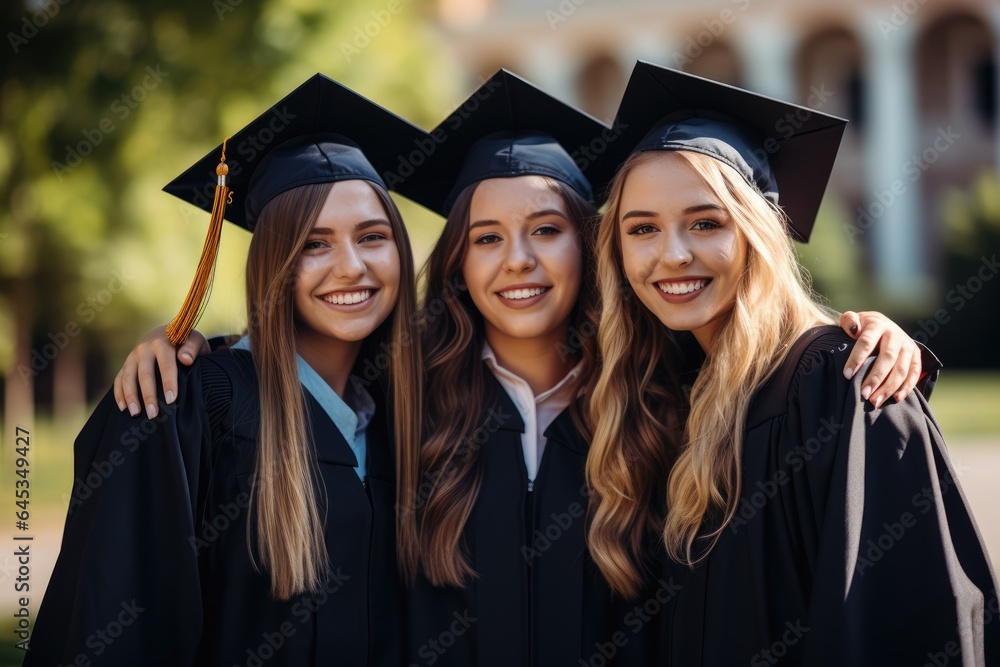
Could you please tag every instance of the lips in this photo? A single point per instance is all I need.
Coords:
(680, 288)
(523, 293)
(348, 298)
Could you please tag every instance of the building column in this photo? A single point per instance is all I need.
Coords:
(646, 44)
(766, 48)
(892, 220)
(551, 68)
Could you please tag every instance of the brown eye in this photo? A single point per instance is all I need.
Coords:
(487, 239)
(641, 229)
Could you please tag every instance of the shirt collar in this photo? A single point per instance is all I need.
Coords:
(489, 356)
(350, 414)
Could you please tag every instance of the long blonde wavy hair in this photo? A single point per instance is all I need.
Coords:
(648, 446)
(286, 484)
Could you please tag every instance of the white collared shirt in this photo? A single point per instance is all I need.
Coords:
(537, 412)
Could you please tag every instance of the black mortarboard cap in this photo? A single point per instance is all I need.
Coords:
(507, 128)
(321, 132)
(772, 144)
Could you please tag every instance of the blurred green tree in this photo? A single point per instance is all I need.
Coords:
(965, 326)
(101, 103)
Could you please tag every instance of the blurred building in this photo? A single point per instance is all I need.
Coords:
(917, 78)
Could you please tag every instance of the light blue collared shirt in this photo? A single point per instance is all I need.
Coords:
(351, 420)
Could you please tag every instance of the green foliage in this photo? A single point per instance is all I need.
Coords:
(110, 100)
(970, 294)
(834, 262)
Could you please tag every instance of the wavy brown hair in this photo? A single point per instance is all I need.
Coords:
(458, 398)
(638, 457)
(286, 484)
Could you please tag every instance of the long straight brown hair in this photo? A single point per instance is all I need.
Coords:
(286, 483)
(458, 398)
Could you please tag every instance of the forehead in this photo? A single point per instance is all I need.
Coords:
(666, 178)
(511, 199)
(349, 203)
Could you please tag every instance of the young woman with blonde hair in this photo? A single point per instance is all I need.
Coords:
(798, 522)
(252, 519)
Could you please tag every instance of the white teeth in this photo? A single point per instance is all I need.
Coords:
(682, 288)
(522, 293)
(347, 298)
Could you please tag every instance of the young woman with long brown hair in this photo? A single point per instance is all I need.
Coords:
(800, 524)
(508, 322)
(252, 519)
(508, 314)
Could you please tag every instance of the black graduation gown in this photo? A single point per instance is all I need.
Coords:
(538, 599)
(852, 544)
(154, 568)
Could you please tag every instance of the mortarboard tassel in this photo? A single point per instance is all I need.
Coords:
(194, 304)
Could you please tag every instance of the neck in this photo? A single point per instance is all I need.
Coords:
(540, 361)
(332, 359)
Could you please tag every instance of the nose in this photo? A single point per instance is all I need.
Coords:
(348, 263)
(675, 251)
(520, 256)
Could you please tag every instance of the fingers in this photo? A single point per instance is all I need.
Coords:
(166, 359)
(146, 372)
(850, 322)
(912, 377)
(120, 392)
(130, 394)
(195, 346)
(867, 342)
(894, 378)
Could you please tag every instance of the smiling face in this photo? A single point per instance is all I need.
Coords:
(523, 263)
(348, 272)
(681, 251)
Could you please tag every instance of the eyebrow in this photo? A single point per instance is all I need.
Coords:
(364, 224)
(531, 216)
(688, 211)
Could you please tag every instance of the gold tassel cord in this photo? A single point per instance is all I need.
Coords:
(194, 304)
